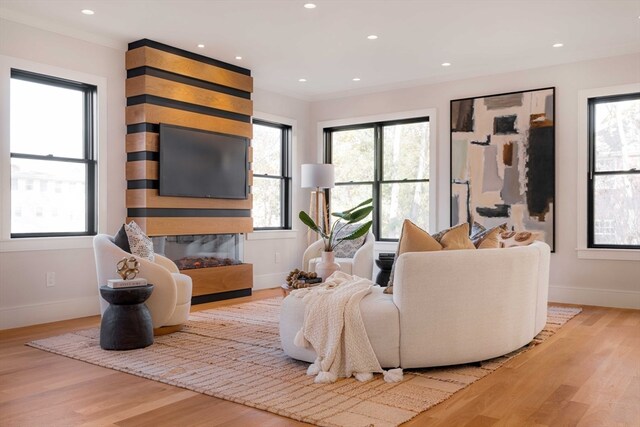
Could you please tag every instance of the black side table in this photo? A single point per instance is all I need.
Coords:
(126, 323)
(384, 263)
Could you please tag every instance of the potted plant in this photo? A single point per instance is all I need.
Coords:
(332, 237)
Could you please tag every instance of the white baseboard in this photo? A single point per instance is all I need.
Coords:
(34, 314)
(598, 297)
(267, 281)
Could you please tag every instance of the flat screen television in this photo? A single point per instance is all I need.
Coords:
(196, 163)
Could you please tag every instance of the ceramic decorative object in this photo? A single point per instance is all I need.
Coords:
(127, 268)
(327, 266)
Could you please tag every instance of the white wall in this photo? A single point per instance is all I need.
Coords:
(24, 298)
(581, 281)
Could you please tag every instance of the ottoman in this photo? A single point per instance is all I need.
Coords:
(381, 321)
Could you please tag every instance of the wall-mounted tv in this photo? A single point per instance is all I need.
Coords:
(196, 163)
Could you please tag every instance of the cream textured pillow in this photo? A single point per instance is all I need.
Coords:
(348, 248)
(509, 239)
(412, 239)
(141, 245)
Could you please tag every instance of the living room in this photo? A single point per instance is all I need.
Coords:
(57, 39)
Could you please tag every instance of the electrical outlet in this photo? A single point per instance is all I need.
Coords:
(277, 258)
(51, 279)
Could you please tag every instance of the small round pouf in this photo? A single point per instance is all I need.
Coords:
(126, 323)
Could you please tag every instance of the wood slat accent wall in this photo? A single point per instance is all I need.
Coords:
(172, 86)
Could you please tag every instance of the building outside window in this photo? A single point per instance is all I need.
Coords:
(614, 172)
(52, 150)
(387, 161)
(271, 175)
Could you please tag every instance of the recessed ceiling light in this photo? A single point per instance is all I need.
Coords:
(558, 45)
(372, 37)
(88, 11)
(446, 64)
(201, 46)
(238, 57)
(302, 80)
(356, 79)
(309, 6)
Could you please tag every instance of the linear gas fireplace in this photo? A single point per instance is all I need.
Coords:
(213, 261)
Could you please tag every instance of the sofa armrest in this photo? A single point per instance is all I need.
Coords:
(166, 263)
(163, 299)
(313, 251)
(363, 259)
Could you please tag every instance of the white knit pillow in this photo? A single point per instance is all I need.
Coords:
(141, 245)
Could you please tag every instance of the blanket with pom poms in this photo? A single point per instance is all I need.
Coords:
(334, 328)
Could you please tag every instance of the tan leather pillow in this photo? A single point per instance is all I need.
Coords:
(412, 239)
(457, 238)
(489, 239)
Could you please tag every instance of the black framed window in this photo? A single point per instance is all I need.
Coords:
(614, 172)
(271, 175)
(386, 161)
(52, 150)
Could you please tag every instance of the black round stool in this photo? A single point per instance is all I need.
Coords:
(126, 323)
(384, 264)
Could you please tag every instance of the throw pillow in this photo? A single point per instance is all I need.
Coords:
(456, 237)
(348, 248)
(489, 239)
(121, 240)
(509, 239)
(141, 245)
(412, 239)
(476, 229)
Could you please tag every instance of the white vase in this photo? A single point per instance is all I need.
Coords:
(327, 266)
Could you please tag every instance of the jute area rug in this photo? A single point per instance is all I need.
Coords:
(234, 353)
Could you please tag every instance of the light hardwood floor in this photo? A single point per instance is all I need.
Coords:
(588, 374)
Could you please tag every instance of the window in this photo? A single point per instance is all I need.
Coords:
(53, 167)
(271, 176)
(386, 161)
(614, 172)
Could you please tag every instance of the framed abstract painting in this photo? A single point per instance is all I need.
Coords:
(503, 161)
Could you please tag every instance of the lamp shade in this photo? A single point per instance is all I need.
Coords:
(317, 175)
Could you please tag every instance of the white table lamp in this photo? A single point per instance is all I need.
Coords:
(318, 176)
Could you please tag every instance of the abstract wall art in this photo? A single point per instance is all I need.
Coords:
(503, 161)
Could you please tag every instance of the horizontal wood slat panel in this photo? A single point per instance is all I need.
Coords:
(173, 226)
(148, 113)
(151, 199)
(142, 141)
(150, 85)
(141, 169)
(147, 56)
(220, 279)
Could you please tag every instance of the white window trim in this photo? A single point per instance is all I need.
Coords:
(281, 234)
(7, 244)
(582, 250)
(429, 112)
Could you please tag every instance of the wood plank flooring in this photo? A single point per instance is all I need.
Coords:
(588, 374)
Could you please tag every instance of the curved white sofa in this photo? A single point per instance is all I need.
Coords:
(448, 307)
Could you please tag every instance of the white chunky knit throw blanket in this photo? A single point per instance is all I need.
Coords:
(333, 326)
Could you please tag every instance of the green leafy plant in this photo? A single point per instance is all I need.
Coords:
(351, 216)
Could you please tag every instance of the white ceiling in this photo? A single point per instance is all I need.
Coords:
(281, 41)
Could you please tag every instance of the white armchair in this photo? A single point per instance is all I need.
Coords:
(360, 265)
(170, 301)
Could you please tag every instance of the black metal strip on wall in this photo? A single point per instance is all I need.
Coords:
(191, 81)
(190, 55)
(177, 212)
(143, 127)
(143, 155)
(143, 184)
(185, 106)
